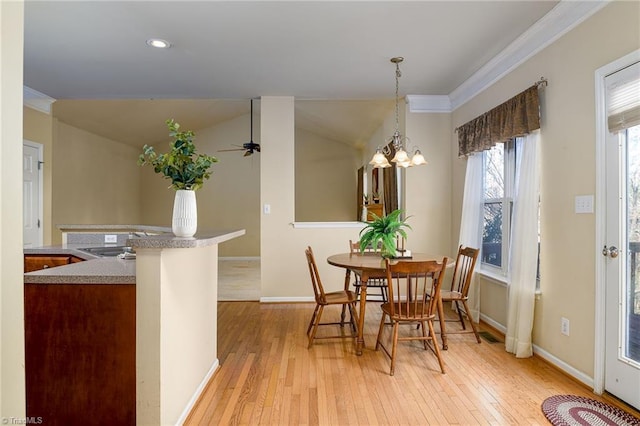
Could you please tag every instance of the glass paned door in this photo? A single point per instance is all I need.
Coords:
(630, 293)
(622, 259)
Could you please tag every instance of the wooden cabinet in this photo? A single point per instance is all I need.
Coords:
(375, 208)
(36, 262)
(80, 353)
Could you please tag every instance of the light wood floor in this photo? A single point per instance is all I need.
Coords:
(268, 376)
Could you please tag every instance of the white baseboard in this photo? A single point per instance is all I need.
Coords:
(576, 374)
(551, 359)
(250, 258)
(197, 393)
(493, 323)
(287, 299)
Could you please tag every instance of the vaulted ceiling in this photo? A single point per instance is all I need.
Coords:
(225, 52)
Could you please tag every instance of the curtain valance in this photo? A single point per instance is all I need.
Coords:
(518, 116)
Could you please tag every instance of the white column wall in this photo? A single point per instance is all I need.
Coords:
(12, 388)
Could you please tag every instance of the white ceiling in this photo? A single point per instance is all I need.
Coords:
(231, 50)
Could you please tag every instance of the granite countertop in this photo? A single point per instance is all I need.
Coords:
(103, 270)
(204, 239)
(112, 270)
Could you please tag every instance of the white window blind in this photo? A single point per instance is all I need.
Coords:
(623, 98)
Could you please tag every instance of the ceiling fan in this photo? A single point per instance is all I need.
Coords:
(248, 147)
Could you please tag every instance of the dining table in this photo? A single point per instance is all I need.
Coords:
(371, 265)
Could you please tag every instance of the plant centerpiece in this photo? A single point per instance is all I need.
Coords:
(187, 171)
(383, 232)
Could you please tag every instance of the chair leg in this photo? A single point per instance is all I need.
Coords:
(313, 318)
(473, 326)
(459, 311)
(342, 315)
(424, 334)
(315, 326)
(353, 317)
(435, 345)
(380, 331)
(394, 347)
(441, 319)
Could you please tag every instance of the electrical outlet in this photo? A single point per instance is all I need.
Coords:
(564, 326)
(110, 239)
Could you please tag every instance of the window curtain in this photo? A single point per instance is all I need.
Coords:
(470, 225)
(390, 184)
(360, 193)
(524, 248)
(518, 116)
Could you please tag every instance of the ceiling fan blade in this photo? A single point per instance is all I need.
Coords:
(234, 149)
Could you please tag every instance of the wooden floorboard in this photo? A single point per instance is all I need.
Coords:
(268, 376)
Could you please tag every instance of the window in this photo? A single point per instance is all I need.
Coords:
(498, 184)
(499, 180)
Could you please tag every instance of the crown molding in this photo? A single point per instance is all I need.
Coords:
(36, 100)
(560, 20)
(429, 103)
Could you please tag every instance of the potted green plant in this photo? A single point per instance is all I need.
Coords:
(383, 232)
(187, 171)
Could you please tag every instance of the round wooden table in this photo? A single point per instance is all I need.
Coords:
(372, 265)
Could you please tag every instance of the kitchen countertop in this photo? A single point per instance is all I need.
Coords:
(112, 270)
(103, 270)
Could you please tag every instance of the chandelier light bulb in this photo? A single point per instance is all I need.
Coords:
(418, 159)
(379, 160)
(400, 157)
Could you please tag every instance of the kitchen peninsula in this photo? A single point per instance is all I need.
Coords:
(143, 332)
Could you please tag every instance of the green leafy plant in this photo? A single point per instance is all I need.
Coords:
(182, 165)
(382, 232)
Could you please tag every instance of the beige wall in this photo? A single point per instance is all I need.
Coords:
(94, 180)
(568, 169)
(325, 179)
(12, 382)
(427, 187)
(284, 271)
(38, 127)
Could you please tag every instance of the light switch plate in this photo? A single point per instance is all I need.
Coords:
(110, 239)
(584, 204)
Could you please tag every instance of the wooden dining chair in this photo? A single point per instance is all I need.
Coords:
(414, 290)
(458, 293)
(379, 283)
(343, 298)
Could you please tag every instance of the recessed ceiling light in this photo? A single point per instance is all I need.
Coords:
(159, 43)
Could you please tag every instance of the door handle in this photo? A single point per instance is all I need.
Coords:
(610, 251)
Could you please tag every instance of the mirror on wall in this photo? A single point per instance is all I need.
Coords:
(331, 140)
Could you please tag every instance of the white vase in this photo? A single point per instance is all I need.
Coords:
(185, 213)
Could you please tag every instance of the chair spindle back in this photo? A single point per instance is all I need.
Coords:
(463, 272)
(318, 289)
(414, 288)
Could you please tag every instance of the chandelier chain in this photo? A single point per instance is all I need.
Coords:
(398, 75)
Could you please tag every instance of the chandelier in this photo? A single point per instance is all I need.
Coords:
(401, 158)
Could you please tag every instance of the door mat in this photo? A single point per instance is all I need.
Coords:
(565, 410)
(489, 337)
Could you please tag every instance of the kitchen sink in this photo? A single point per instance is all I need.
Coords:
(108, 251)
